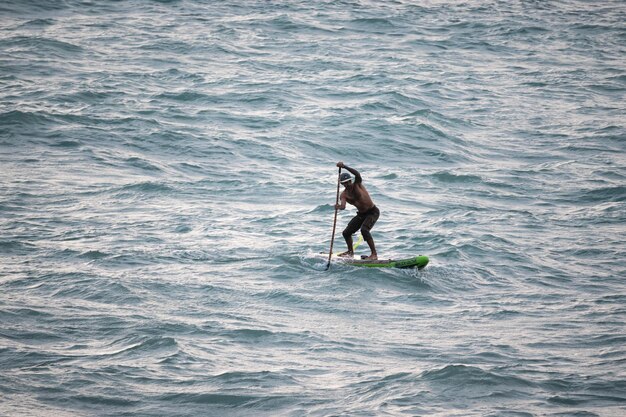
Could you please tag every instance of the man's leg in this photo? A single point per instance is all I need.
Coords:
(350, 244)
(368, 223)
(352, 227)
(370, 242)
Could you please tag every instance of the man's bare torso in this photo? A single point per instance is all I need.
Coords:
(358, 196)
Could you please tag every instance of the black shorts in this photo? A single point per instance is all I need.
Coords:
(364, 221)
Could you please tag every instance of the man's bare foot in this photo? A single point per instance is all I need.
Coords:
(347, 254)
(372, 257)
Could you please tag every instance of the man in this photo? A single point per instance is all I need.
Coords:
(367, 214)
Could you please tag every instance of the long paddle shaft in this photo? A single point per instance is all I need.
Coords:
(332, 239)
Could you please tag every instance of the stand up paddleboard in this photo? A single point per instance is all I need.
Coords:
(418, 262)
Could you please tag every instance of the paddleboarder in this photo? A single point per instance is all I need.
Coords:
(355, 194)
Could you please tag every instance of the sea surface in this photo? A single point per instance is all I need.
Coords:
(168, 179)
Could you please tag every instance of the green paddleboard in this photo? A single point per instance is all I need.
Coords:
(418, 262)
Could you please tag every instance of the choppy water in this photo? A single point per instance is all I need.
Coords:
(168, 176)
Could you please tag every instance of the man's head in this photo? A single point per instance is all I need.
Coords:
(345, 178)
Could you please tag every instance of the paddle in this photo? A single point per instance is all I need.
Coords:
(332, 239)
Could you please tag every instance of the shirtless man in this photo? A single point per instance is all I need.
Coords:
(367, 214)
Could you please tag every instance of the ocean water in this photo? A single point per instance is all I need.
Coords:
(168, 178)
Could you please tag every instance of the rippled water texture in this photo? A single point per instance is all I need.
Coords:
(167, 181)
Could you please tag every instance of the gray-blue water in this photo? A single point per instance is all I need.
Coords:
(167, 180)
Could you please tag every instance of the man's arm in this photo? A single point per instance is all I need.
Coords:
(342, 205)
(357, 176)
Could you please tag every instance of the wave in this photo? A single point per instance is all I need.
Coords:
(472, 377)
(66, 144)
(94, 255)
(19, 7)
(97, 290)
(40, 45)
(87, 96)
(374, 25)
(23, 118)
(185, 96)
(604, 194)
(16, 247)
(252, 402)
(144, 188)
(145, 165)
(38, 23)
(451, 177)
